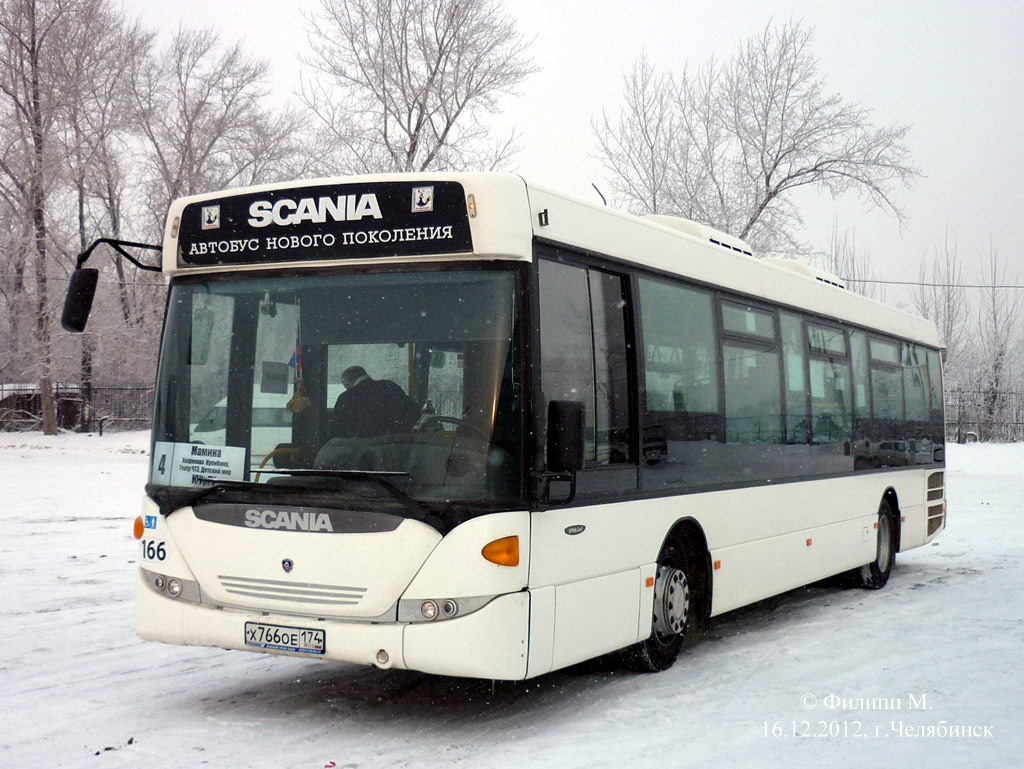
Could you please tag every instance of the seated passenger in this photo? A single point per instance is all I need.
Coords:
(371, 407)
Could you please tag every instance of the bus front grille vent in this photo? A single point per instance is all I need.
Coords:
(299, 592)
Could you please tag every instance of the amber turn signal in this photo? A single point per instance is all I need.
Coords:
(139, 528)
(504, 551)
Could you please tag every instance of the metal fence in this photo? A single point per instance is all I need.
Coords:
(121, 408)
(973, 415)
(79, 409)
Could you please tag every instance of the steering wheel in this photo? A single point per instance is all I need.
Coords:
(294, 451)
(434, 425)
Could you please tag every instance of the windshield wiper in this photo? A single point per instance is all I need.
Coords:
(171, 498)
(383, 479)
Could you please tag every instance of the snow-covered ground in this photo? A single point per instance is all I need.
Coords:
(926, 673)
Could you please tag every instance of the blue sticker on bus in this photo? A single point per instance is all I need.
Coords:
(150, 521)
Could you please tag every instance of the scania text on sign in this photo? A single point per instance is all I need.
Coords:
(340, 209)
(294, 520)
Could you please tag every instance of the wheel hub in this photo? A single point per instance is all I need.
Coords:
(671, 601)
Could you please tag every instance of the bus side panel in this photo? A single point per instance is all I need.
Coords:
(914, 528)
(577, 543)
(590, 555)
(759, 534)
(595, 616)
(756, 570)
(542, 630)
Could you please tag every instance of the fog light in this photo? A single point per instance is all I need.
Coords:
(428, 609)
(449, 608)
(173, 587)
(159, 582)
(382, 657)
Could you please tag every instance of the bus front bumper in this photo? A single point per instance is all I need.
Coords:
(489, 643)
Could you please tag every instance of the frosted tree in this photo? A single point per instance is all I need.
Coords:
(739, 137)
(203, 115)
(852, 264)
(34, 97)
(637, 146)
(405, 85)
(941, 297)
(999, 340)
(94, 129)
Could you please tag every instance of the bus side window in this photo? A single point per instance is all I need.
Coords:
(915, 386)
(794, 366)
(682, 420)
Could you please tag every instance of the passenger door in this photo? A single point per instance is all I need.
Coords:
(583, 567)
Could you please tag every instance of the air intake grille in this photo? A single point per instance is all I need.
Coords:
(936, 513)
(301, 592)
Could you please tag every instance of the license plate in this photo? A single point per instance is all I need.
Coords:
(283, 638)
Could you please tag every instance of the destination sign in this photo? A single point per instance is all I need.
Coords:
(336, 221)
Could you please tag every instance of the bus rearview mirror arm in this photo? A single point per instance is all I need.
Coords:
(82, 288)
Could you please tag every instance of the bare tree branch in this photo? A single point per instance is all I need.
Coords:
(403, 85)
(739, 138)
(942, 298)
(200, 110)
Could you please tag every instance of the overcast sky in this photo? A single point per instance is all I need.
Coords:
(954, 71)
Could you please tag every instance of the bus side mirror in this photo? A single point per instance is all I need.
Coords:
(78, 302)
(565, 436)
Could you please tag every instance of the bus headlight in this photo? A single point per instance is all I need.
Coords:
(176, 587)
(439, 609)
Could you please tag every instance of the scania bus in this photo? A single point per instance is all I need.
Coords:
(623, 427)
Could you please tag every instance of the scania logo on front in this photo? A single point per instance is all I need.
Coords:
(286, 212)
(293, 520)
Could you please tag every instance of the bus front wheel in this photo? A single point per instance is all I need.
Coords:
(677, 612)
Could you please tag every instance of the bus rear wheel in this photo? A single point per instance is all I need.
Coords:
(874, 575)
(676, 616)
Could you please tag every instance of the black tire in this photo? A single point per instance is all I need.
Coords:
(874, 575)
(678, 609)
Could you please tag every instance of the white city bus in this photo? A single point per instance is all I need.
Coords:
(628, 426)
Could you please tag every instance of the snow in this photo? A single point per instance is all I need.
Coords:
(79, 689)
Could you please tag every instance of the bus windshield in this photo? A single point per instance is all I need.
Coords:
(411, 376)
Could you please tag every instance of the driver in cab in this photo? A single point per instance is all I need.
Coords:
(371, 407)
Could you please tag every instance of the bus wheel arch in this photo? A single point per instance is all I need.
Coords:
(682, 599)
